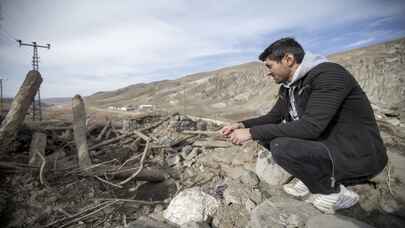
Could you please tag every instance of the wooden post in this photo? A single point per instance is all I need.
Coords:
(80, 131)
(19, 107)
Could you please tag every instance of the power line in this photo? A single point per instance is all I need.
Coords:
(1, 96)
(6, 31)
(6, 39)
(11, 37)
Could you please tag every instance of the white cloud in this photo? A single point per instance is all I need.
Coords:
(96, 45)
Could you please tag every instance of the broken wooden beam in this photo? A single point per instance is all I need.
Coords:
(155, 124)
(200, 132)
(80, 131)
(109, 141)
(51, 128)
(209, 144)
(18, 109)
(45, 124)
(103, 131)
(142, 135)
(145, 174)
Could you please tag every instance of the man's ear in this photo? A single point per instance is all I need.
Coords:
(289, 59)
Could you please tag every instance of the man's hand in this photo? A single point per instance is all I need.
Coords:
(239, 136)
(228, 129)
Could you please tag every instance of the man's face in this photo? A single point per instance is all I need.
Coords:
(279, 71)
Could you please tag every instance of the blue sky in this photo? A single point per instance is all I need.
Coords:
(105, 45)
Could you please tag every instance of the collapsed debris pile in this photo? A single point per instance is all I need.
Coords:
(131, 168)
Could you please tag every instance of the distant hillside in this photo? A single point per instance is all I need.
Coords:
(240, 91)
(56, 100)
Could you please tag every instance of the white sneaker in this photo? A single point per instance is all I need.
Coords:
(328, 204)
(296, 188)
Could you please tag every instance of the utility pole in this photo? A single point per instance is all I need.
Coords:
(35, 66)
(1, 96)
(184, 99)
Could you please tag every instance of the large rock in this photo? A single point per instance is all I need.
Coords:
(285, 212)
(268, 170)
(191, 205)
(335, 221)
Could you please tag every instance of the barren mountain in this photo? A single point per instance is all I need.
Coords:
(240, 91)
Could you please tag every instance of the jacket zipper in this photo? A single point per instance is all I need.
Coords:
(332, 178)
(292, 101)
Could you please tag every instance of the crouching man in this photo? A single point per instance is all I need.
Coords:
(321, 130)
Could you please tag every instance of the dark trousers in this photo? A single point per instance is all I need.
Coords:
(307, 160)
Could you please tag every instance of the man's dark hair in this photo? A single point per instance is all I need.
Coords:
(277, 50)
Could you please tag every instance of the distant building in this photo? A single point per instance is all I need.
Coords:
(128, 108)
(146, 107)
(114, 108)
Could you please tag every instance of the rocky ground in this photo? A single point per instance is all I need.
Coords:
(190, 177)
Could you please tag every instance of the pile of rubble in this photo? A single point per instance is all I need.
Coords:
(103, 174)
(131, 171)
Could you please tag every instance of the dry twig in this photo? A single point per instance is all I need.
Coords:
(77, 214)
(89, 214)
(134, 201)
(140, 167)
(41, 170)
(388, 167)
(133, 157)
(107, 182)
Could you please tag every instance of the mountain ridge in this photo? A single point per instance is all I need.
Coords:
(241, 91)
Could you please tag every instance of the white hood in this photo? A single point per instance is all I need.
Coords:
(310, 61)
